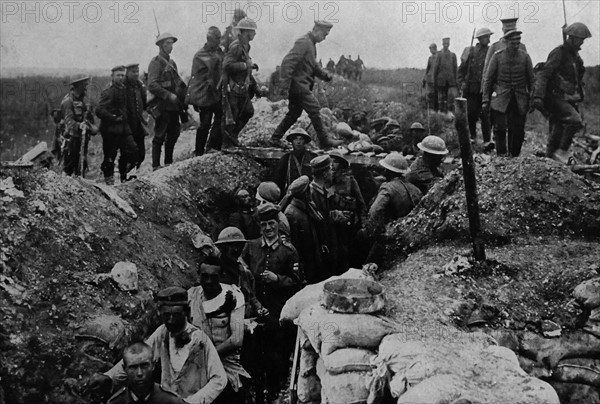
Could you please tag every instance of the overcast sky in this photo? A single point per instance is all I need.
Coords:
(386, 34)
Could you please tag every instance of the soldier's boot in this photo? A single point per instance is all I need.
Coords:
(554, 137)
(169, 149)
(283, 127)
(156, 151)
(325, 141)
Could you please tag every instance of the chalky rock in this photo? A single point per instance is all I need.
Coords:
(126, 276)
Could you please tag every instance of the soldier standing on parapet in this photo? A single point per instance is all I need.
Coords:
(444, 74)
(168, 90)
(298, 71)
(469, 78)
(136, 105)
(510, 76)
(558, 90)
(204, 92)
(429, 80)
(230, 35)
(240, 85)
(76, 117)
(115, 130)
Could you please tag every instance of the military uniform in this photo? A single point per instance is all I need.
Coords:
(116, 132)
(206, 97)
(292, 165)
(510, 76)
(493, 48)
(470, 74)
(298, 71)
(423, 176)
(158, 395)
(74, 111)
(237, 273)
(136, 105)
(559, 84)
(444, 75)
(241, 87)
(163, 80)
(245, 220)
(227, 38)
(323, 200)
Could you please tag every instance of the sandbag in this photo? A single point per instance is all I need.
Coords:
(345, 388)
(587, 293)
(435, 390)
(328, 332)
(349, 360)
(309, 388)
(308, 361)
(312, 293)
(578, 370)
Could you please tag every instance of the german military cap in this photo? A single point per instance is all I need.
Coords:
(433, 45)
(118, 68)
(269, 191)
(509, 24)
(80, 78)
(132, 65)
(267, 211)
(299, 185)
(164, 36)
(512, 34)
(320, 163)
(323, 24)
(172, 296)
(446, 39)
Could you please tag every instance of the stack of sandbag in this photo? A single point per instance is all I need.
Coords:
(309, 385)
(346, 345)
(458, 366)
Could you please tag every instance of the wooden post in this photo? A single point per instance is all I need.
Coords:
(464, 139)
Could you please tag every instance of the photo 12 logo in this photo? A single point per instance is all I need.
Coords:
(471, 11)
(53, 12)
(270, 11)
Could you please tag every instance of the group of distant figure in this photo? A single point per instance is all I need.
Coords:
(501, 86)
(348, 68)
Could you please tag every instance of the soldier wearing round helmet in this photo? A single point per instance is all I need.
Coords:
(296, 162)
(470, 73)
(425, 171)
(240, 85)
(230, 35)
(168, 92)
(559, 90)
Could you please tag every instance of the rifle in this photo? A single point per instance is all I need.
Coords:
(469, 61)
(564, 36)
(82, 149)
(295, 371)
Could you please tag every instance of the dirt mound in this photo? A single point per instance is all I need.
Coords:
(60, 235)
(517, 197)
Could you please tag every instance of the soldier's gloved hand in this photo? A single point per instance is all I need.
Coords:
(254, 66)
(173, 98)
(538, 104)
(485, 106)
(100, 384)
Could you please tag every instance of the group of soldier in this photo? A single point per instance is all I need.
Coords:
(501, 86)
(348, 68)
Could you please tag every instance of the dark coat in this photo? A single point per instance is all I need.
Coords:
(236, 64)
(423, 176)
(562, 75)
(429, 79)
(158, 396)
(444, 69)
(508, 75)
(136, 105)
(299, 67)
(112, 110)
(493, 48)
(74, 111)
(245, 220)
(163, 79)
(470, 71)
(291, 168)
(395, 199)
(206, 73)
(323, 202)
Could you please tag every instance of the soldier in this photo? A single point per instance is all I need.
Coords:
(508, 24)
(218, 309)
(168, 91)
(350, 68)
(269, 192)
(115, 130)
(322, 196)
(240, 85)
(469, 79)
(76, 117)
(274, 90)
(330, 66)
(340, 67)
(559, 89)
(275, 265)
(244, 218)
(510, 76)
(429, 80)
(298, 71)
(348, 208)
(358, 121)
(444, 75)
(230, 35)
(425, 171)
(395, 199)
(139, 365)
(416, 134)
(359, 67)
(190, 364)
(297, 162)
(136, 105)
(204, 94)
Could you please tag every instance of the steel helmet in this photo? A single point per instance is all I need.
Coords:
(230, 235)
(337, 155)
(578, 30)
(164, 36)
(294, 133)
(247, 24)
(417, 126)
(395, 162)
(434, 145)
(392, 123)
(482, 32)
